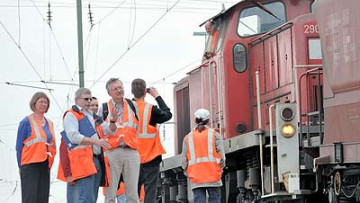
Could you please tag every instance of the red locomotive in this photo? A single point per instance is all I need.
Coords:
(283, 88)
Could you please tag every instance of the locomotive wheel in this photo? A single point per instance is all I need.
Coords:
(337, 183)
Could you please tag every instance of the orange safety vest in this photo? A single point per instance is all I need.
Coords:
(35, 148)
(149, 138)
(121, 191)
(203, 159)
(81, 158)
(127, 130)
(215, 36)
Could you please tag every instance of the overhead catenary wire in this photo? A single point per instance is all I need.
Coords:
(28, 60)
(9, 148)
(141, 37)
(61, 53)
(183, 9)
(49, 56)
(88, 49)
(99, 29)
(57, 82)
(162, 79)
(88, 36)
(30, 86)
(159, 1)
(132, 32)
(9, 124)
(176, 71)
(64, 107)
(65, 82)
(19, 47)
(53, 34)
(111, 12)
(97, 50)
(19, 21)
(60, 83)
(148, 5)
(44, 48)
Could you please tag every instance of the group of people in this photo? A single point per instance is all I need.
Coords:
(116, 146)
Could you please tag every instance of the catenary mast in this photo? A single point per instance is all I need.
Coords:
(80, 43)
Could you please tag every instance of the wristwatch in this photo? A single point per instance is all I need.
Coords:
(112, 121)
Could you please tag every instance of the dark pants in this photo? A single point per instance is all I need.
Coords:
(97, 177)
(35, 182)
(149, 176)
(200, 194)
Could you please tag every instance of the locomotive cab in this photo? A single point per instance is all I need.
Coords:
(264, 84)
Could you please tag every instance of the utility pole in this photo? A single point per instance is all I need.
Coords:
(80, 43)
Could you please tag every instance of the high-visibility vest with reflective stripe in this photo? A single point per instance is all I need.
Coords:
(128, 129)
(81, 157)
(149, 138)
(203, 159)
(35, 148)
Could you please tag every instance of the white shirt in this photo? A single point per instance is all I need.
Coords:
(71, 127)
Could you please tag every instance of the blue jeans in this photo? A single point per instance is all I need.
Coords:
(86, 189)
(121, 198)
(72, 194)
(200, 194)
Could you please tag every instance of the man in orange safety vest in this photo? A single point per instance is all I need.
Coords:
(150, 147)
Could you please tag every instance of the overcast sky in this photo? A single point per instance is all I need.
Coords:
(152, 39)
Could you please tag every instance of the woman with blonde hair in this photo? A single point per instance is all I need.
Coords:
(35, 147)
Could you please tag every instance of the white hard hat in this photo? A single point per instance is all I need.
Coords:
(202, 114)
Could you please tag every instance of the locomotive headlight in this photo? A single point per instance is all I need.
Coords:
(287, 114)
(287, 130)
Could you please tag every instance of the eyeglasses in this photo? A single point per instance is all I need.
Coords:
(87, 99)
(117, 88)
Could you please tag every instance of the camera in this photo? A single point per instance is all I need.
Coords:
(148, 90)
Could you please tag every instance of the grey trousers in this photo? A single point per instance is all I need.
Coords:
(123, 161)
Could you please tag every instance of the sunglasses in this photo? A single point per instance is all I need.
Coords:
(87, 99)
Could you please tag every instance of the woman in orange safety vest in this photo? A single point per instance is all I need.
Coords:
(35, 147)
(203, 158)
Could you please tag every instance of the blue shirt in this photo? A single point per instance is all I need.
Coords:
(24, 132)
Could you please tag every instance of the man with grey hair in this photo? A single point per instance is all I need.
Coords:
(213, 35)
(84, 149)
(123, 156)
